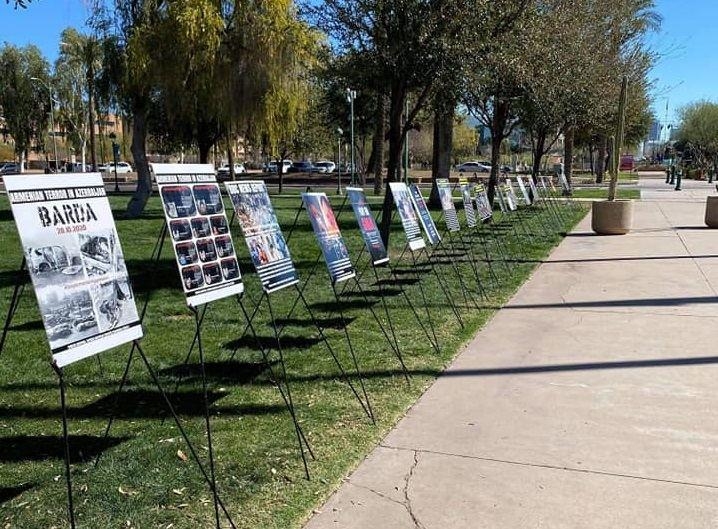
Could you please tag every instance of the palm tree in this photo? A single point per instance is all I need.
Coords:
(85, 52)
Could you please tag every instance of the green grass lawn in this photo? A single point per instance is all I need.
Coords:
(602, 192)
(143, 480)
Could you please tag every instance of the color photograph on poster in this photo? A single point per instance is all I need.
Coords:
(265, 241)
(508, 191)
(447, 204)
(522, 188)
(483, 207)
(328, 236)
(409, 220)
(468, 203)
(75, 262)
(427, 222)
(198, 227)
(367, 226)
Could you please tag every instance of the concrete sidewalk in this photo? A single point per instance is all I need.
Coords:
(589, 401)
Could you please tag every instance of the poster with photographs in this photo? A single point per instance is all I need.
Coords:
(564, 183)
(267, 246)
(508, 191)
(534, 189)
(330, 240)
(409, 220)
(468, 203)
(524, 192)
(483, 207)
(499, 195)
(367, 226)
(76, 264)
(447, 204)
(199, 230)
(427, 222)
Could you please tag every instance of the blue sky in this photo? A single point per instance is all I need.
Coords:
(686, 71)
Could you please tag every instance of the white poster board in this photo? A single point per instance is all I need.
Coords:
(407, 214)
(76, 263)
(199, 231)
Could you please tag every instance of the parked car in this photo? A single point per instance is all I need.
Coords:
(473, 167)
(302, 167)
(122, 167)
(223, 173)
(325, 166)
(272, 166)
(10, 168)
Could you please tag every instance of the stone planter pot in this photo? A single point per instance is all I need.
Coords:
(612, 218)
(712, 212)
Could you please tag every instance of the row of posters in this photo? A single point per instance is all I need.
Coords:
(74, 257)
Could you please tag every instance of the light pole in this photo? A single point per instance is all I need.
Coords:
(52, 119)
(351, 95)
(339, 160)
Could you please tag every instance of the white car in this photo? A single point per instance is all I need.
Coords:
(272, 166)
(122, 167)
(223, 173)
(473, 167)
(325, 166)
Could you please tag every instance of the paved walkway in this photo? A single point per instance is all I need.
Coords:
(589, 401)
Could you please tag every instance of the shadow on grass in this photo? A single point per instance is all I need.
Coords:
(35, 325)
(8, 493)
(324, 323)
(40, 447)
(268, 342)
(231, 372)
(333, 306)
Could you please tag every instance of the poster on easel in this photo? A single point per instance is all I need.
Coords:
(447, 204)
(468, 203)
(409, 219)
(483, 207)
(367, 226)
(508, 192)
(542, 183)
(564, 183)
(267, 247)
(524, 192)
(330, 239)
(499, 194)
(75, 262)
(199, 230)
(534, 189)
(427, 222)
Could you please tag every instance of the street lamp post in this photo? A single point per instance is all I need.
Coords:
(351, 95)
(339, 160)
(52, 119)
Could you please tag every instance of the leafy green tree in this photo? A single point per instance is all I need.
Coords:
(699, 130)
(24, 98)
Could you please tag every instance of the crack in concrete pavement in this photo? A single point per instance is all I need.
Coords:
(407, 500)
(417, 451)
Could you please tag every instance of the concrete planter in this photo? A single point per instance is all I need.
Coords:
(712, 212)
(612, 218)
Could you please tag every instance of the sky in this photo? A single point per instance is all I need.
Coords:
(686, 70)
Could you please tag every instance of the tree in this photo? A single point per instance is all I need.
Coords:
(84, 54)
(24, 98)
(699, 130)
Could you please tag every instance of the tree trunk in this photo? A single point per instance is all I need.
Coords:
(498, 127)
(204, 147)
(601, 158)
(144, 179)
(398, 96)
(568, 136)
(538, 152)
(230, 157)
(441, 149)
(378, 143)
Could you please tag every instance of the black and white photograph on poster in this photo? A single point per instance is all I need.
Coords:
(264, 238)
(326, 230)
(409, 220)
(447, 204)
(483, 207)
(367, 226)
(75, 262)
(468, 203)
(196, 220)
(524, 191)
(427, 222)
